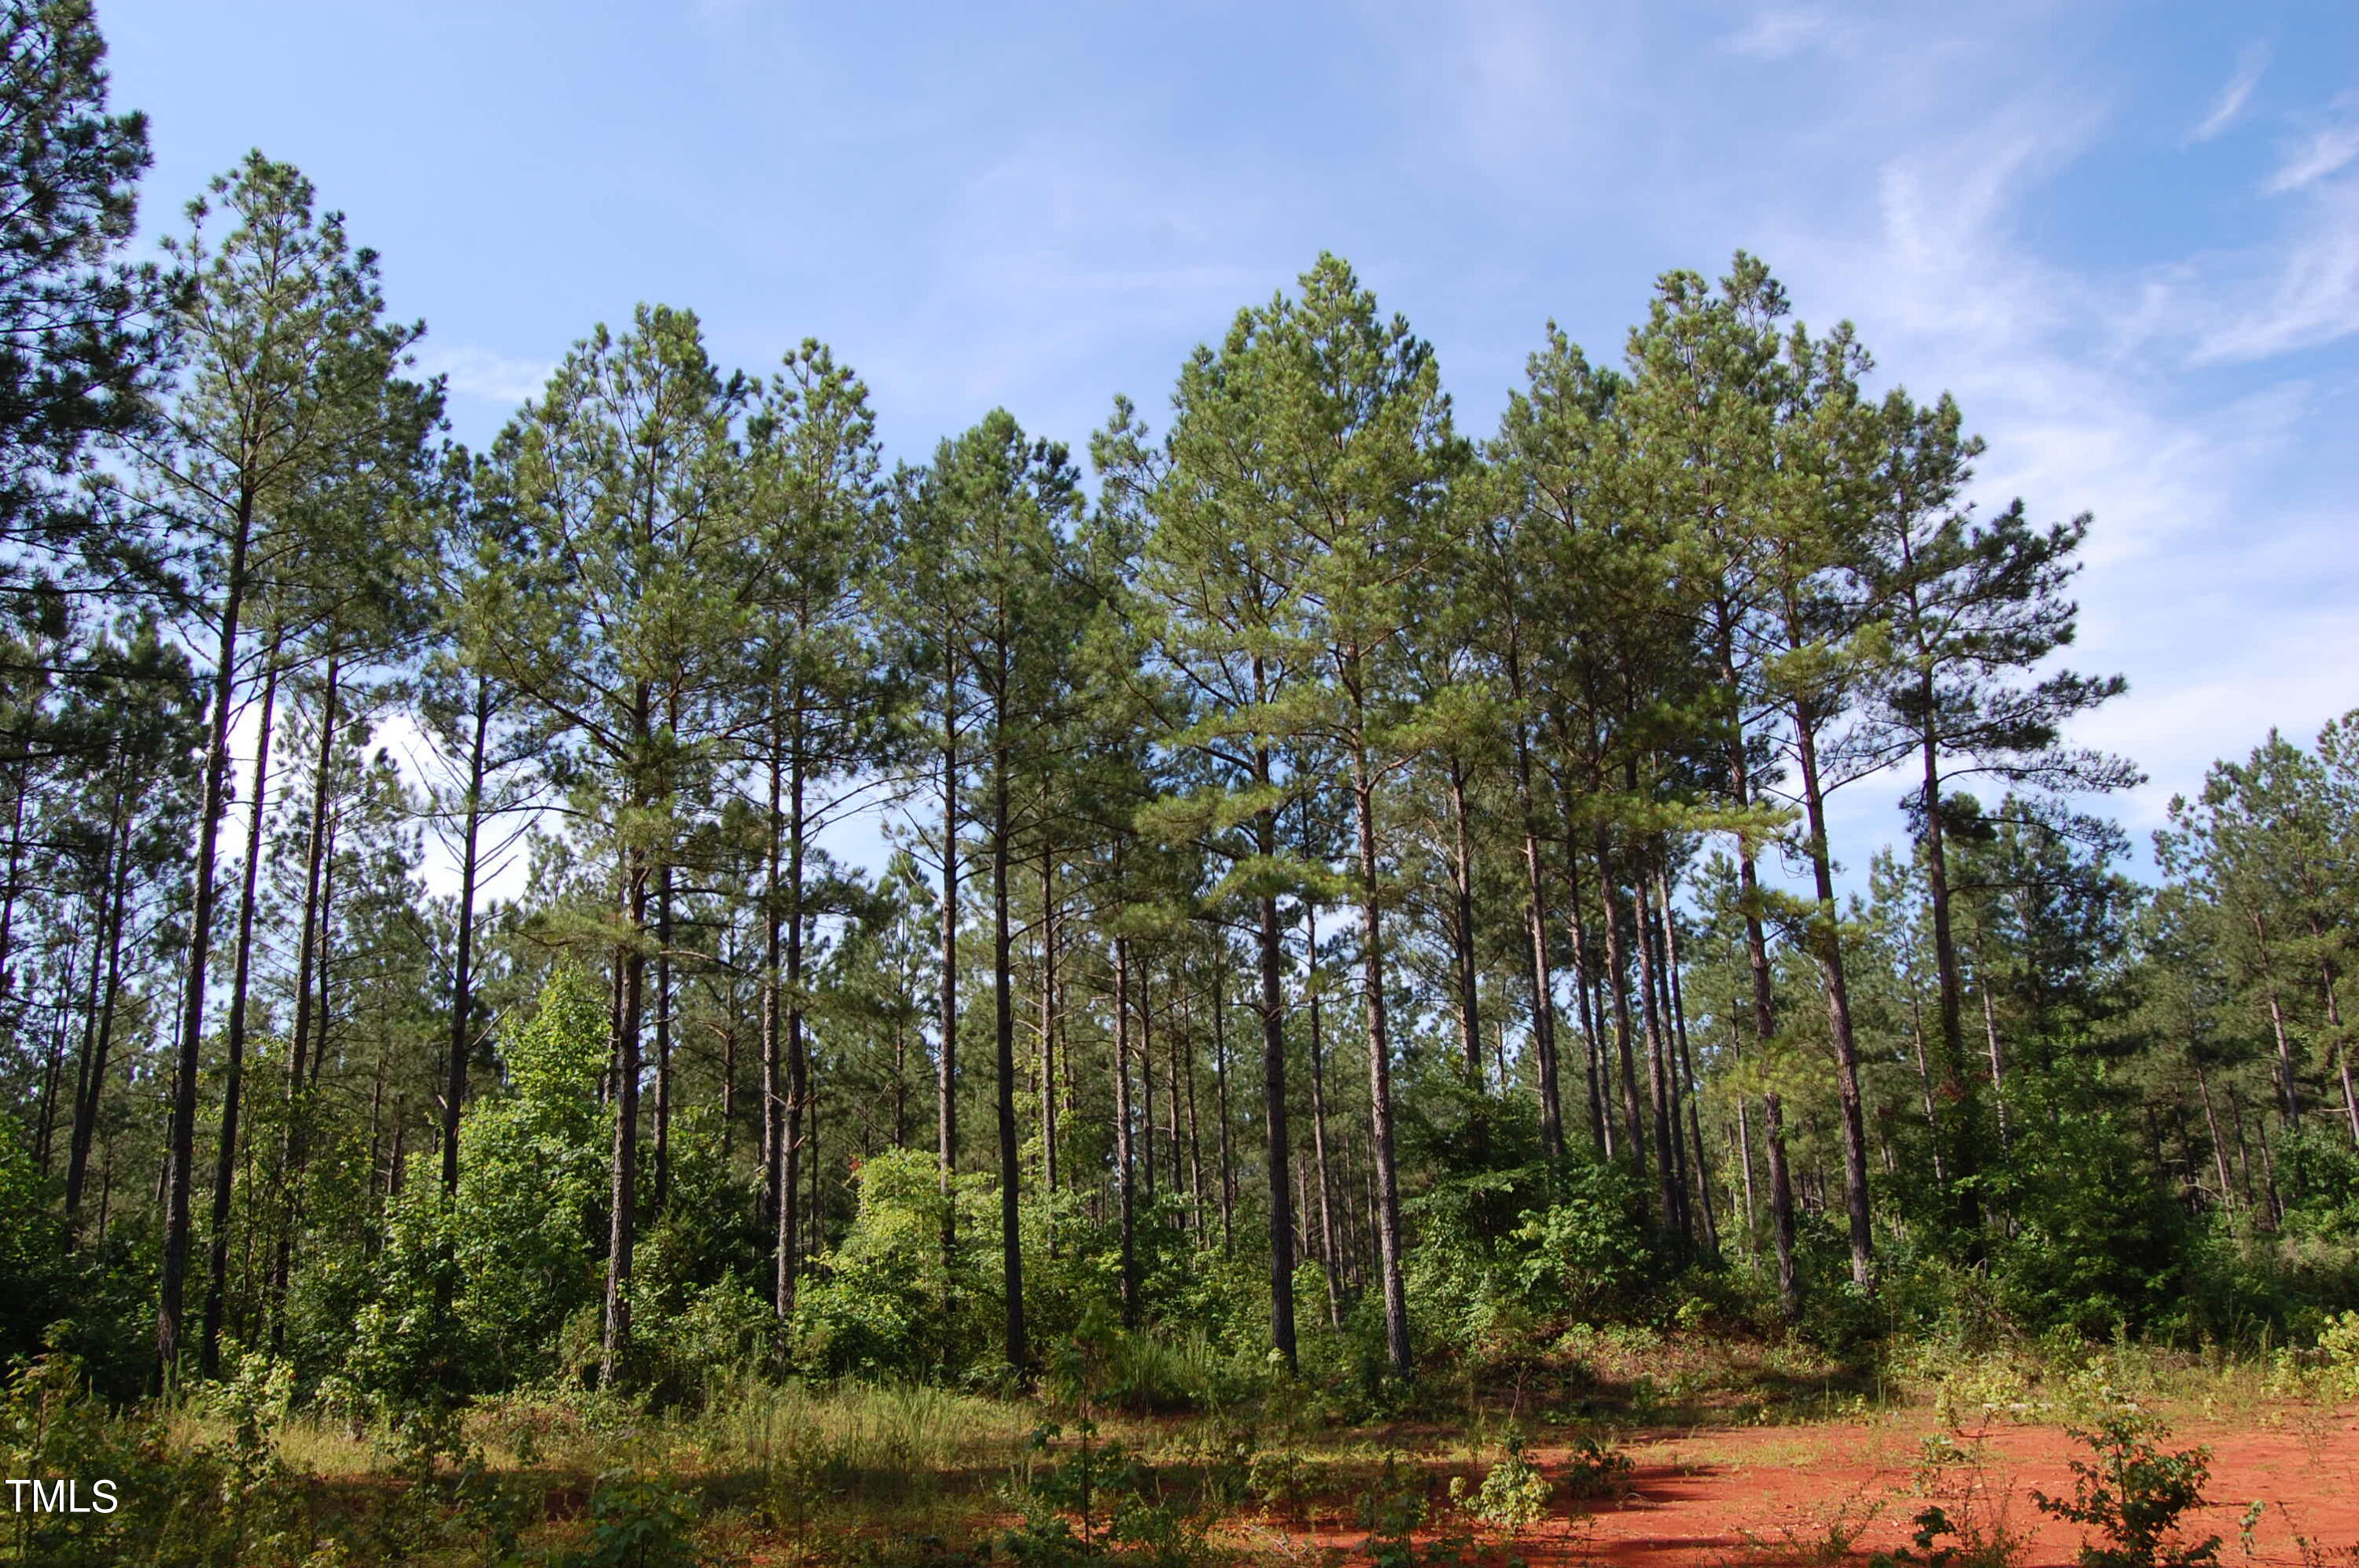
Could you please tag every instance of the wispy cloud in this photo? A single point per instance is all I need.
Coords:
(483, 373)
(2233, 97)
(2311, 289)
(2326, 149)
(2076, 377)
(1777, 32)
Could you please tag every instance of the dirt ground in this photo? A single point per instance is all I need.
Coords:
(1837, 1492)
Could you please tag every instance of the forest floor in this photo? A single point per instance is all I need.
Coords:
(1679, 1453)
(1840, 1491)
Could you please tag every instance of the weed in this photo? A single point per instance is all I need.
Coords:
(1096, 1498)
(1082, 1486)
(1284, 1480)
(1968, 1546)
(638, 1521)
(1839, 1526)
(2312, 1552)
(1391, 1512)
(1515, 1496)
(1984, 1387)
(1597, 1469)
(2135, 1493)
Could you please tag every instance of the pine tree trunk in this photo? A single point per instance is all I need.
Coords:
(1997, 1062)
(1003, 958)
(623, 1192)
(1146, 1082)
(1461, 930)
(98, 1035)
(1827, 939)
(799, 1106)
(1328, 1259)
(1781, 1206)
(774, 1086)
(233, 1034)
(1670, 1177)
(2219, 1145)
(946, 1062)
(1745, 1160)
(1049, 914)
(14, 887)
(1389, 1247)
(463, 974)
(1125, 1156)
(1221, 1094)
(1183, 1061)
(2286, 1079)
(181, 1144)
(1953, 1136)
(309, 946)
(2329, 991)
(623, 1214)
(660, 1187)
(1543, 976)
(1692, 1092)
(1617, 976)
(1588, 1006)
(1925, 1087)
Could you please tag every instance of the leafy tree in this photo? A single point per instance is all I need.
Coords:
(522, 1226)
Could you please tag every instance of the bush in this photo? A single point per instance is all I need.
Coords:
(2135, 1493)
(1597, 1469)
(231, 1502)
(638, 1521)
(2097, 1241)
(871, 1307)
(1515, 1496)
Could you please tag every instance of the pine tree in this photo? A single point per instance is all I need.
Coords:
(79, 355)
(1972, 605)
(288, 386)
(1351, 455)
(994, 500)
(618, 613)
(810, 713)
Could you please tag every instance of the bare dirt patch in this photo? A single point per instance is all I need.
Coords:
(1839, 1492)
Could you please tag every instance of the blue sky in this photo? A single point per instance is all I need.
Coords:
(2126, 236)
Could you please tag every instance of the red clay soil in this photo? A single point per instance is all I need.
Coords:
(1827, 1494)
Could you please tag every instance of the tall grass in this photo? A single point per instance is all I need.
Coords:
(856, 1431)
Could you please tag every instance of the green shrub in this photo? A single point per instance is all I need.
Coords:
(638, 1521)
(1514, 1496)
(2134, 1495)
(1392, 1511)
(1597, 1469)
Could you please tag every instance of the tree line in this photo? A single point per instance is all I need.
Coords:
(1356, 888)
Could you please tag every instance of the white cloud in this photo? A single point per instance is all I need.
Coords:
(2326, 149)
(2233, 97)
(2080, 378)
(1777, 32)
(483, 373)
(2303, 292)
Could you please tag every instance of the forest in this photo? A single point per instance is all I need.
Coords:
(1353, 935)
